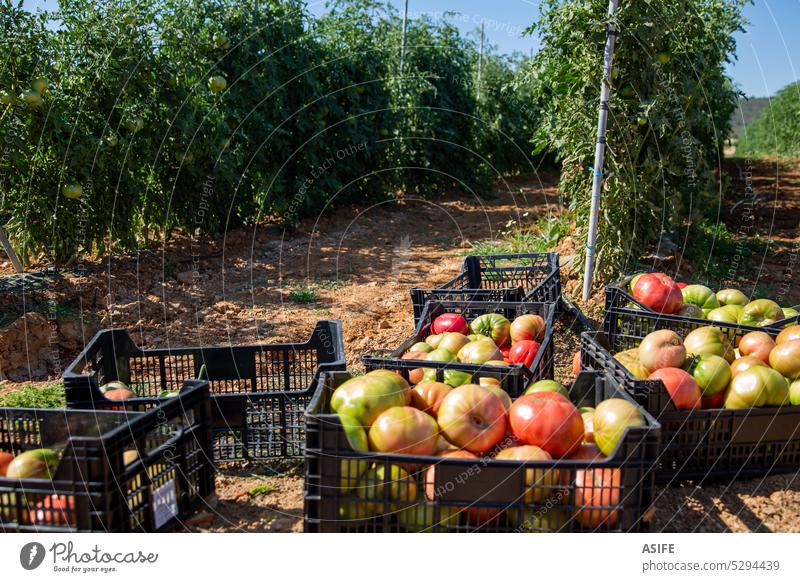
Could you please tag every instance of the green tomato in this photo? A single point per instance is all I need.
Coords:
(221, 42)
(761, 312)
(441, 355)
(454, 378)
(757, 386)
(794, 393)
(725, 314)
(217, 84)
(7, 98)
(493, 325)
(701, 296)
(664, 57)
(364, 398)
(611, 418)
(547, 386)
(732, 297)
(134, 124)
(421, 347)
(712, 373)
(352, 469)
(40, 85)
(32, 99)
(421, 517)
(72, 191)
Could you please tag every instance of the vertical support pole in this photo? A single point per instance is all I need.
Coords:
(403, 40)
(600, 150)
(12, 255)
(480, 61)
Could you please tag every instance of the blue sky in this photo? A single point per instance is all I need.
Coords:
(769, 52)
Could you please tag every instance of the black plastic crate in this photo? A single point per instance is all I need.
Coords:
(120, 471)
(697, 444)
(617, 297)
(486, 495)
(509, 277)
(519, 376)
(259, 392)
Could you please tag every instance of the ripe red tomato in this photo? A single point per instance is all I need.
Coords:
(450, 322)
(715, 401)
(54, 510)
(474, 516)
(659, 293)
(5, 459)
(757, 344)
(404, 430)
(682, 387)
(524, 352)
(528, 327)
(430, 474)
(547, 420)
(597, 497)
(472, 417)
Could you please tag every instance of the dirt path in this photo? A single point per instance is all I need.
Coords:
(359, 264)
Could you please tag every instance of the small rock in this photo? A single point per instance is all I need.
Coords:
(202, 519)
(281, 524)
(186, 276)
(384, 325)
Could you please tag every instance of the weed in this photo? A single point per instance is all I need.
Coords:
(713, 247)
(262, 489)
(543, 237)
(32, 396)
(303, 295)
(331, 284)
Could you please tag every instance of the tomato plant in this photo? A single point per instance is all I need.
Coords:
(669, 70)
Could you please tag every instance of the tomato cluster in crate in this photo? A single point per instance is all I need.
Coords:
(508, 277)
(383, 456)
(658, 293)
(727, 395)
(121, 470)
(259, 392)
(464, 337)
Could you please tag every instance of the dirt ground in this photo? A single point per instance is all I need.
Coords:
(356, 264)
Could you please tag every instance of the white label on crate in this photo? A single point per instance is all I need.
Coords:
(165, 503)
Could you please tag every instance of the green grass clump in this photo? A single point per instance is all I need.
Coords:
(303, 295)
(31, 396)
(713, 249)
(543, 237)
(262, 489)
